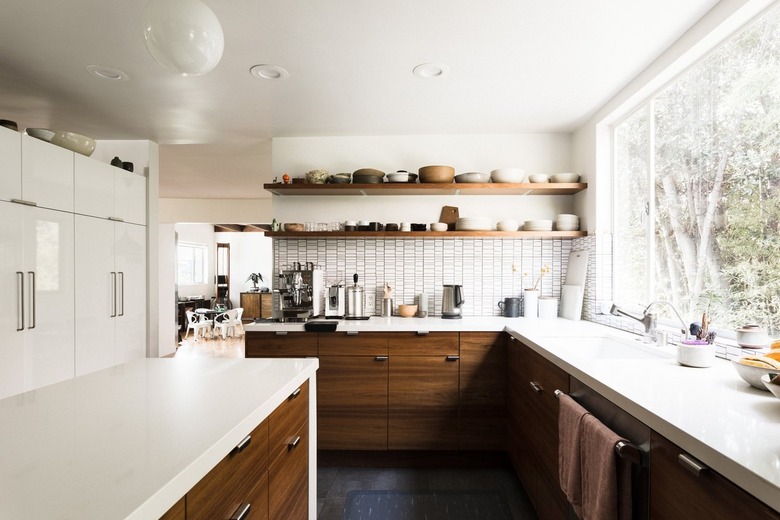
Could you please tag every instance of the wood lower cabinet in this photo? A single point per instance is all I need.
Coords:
(676, 492)
(483, 391)
(423, 391)
(352, 391)
(177, 512)
(273, 344)
(257, 305)
(533, 427)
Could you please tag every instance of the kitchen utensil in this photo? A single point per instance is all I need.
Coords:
(510, 175)
(573, 288)
(538, 178)
(752, 375)
(359, 178)
(538, 225)
(11, 125)
(508, 225)
(406, 226)
(449, 215)
(374, 226)
(369, 172)
(452, 300)
(571, 302)
(437, 174)
(391, 227)
(44, 134)
(340, 178)
(565, 177)
(510, 307)
(407, 310)
(80, 144)
(419, 227)
(355, 301)
(473, 177)
(422, 305)
(474, 224)
(398, 177)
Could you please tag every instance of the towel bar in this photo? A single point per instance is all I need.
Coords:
(625, 450)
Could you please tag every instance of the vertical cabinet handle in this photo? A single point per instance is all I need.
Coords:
(121, 293)
(113, 294)
(694, 466)
(33, 299)
(20, 301)
(241, 512)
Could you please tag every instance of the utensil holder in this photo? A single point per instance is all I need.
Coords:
(531, 303)
(387, 307)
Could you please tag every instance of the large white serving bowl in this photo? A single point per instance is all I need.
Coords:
(508, 225)
(772, 387)
(752, 375)
(44, 134)
(508, 175)
(74, 142)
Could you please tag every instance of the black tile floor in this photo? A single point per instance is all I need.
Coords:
(333, 484)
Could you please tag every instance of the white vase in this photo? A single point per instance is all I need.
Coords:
(531, 303)
(548, 307)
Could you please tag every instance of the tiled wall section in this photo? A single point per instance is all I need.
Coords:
(415, 265)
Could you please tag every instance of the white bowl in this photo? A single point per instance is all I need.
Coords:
(752, 375)
(510, 175)
(538, 178)
(752, 336)
(565, 177)
(699, 356)
(438, 226)
(473, 177)
(772, 387)
(538, 225)
(44, 134)
(508, 225)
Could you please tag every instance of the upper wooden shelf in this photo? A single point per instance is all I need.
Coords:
(426, 234)
(398, 188)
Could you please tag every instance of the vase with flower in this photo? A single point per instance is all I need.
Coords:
(531, 294)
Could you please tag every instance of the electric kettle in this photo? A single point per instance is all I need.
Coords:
(452, 299)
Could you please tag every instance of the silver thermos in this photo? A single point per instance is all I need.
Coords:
(452, 299)
(355, 310)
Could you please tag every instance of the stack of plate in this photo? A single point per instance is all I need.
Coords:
(474, 224)
(538, 225)
(566, 222)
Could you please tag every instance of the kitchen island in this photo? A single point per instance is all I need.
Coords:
(711, 413)
(130, 441)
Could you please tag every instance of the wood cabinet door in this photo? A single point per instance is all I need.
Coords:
(423, 403)
(250, 302)
(352, 402)
(288, 481)
(676, 492)
(270, 344)
(483, 390)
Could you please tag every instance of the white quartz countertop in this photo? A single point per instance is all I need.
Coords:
(711, 413)
(130, 441)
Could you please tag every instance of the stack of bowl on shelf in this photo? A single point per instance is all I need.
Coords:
(564, 222)
(538, 225)
(474, 224)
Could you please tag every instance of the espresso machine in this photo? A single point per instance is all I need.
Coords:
(299, 291)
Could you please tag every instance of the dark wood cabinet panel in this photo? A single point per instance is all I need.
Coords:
(352, 402)
(363, 344)
(258, 500)
(270, 344)
(288, 418)
(414, 344)
(675, 492)
(288, 480)
(483, 391)
(257, 305)
(423, 403)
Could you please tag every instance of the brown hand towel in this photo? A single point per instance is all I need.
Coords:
(606, 478)
(570, 418)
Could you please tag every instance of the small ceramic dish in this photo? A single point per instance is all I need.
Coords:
(407, 311)
(538, 178)
(438, 226)
(774, 387)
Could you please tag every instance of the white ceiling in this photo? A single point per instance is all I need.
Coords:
(514, 66)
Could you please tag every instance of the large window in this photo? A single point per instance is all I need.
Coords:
(192, 265)
(697, 187)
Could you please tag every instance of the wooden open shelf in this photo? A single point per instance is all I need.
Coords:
(398, 188)
(427, 234)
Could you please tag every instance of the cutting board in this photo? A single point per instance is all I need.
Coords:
(573, 288)
(449, 215)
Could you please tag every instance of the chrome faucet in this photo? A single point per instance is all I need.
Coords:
(649, 319)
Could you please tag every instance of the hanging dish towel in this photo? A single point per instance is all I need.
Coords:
(570, 416)
(606, 478)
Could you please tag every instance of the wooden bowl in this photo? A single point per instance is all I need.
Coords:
(407, 311)
(293, 227)
(439, 174)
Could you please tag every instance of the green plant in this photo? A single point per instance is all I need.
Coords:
(255, 278)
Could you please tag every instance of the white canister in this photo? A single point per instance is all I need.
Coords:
(548, 307)
(531, 303)
(422, 305)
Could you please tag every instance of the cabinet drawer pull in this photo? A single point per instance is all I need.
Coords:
(241, 512)
(244, 443)
(694, 466)
(352, 332)
(25, 202)
(453, 358)
(536, 386)
(422, 332)
(381, 358)
(295, 442)
(281, 332)
(295, 394)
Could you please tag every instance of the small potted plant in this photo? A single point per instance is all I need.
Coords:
(256, 278)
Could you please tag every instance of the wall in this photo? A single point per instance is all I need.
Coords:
(215, 211)
(249, 253)
(167, 333)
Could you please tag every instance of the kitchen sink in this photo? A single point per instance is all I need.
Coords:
(606, 347)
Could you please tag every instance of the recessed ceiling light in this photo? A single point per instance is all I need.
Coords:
(269, 72)
(430, 70)
(107, 73)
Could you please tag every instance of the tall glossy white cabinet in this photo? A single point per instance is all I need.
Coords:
(111, 276)
(57, 253)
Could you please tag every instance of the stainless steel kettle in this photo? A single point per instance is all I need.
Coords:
(452, 299)
(355, 309)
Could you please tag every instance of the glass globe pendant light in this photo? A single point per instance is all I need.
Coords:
(184, 36)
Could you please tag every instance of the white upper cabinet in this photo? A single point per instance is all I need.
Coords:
(47, 174)
(106, 191)
(10, 164)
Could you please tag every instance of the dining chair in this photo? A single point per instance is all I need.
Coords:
(198, 324)
(228, 323)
